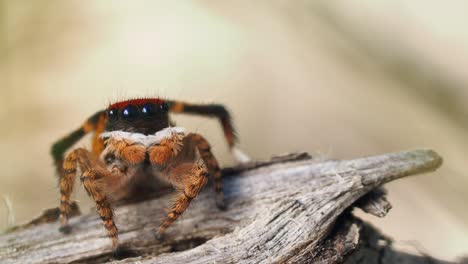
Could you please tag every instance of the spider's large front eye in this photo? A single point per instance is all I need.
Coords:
(130, 112)
(113, 114)
(149, 110)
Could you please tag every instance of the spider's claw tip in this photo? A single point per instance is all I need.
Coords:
(66, 229)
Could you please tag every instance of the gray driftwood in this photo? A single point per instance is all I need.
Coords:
(290, 209)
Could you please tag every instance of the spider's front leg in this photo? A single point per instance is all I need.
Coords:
(189, 179)
(97, 181)
(162, 154)
(92, 175)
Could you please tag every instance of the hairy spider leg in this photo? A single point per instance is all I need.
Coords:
(92, 173)
(189, 179)
(212, 165)
(208, 110)
(95, 123)
(168, 149)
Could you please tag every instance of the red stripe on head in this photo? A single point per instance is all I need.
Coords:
(136, 102)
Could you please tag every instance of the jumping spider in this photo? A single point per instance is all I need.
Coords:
(134, 141)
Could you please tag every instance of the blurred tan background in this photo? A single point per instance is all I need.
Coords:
(340, 79)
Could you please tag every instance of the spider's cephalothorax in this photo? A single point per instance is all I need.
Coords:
(133, 142)
(145, 116)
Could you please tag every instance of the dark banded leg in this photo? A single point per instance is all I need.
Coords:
(211, 163)
(189, 185)
(208, 110)
(88, 165)
(61, 146)
(97, 141)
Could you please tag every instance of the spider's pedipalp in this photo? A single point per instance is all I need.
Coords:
(168, 148)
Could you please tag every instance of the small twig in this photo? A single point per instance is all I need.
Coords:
(10, 213)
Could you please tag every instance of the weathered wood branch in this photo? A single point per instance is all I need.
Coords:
(284, 210)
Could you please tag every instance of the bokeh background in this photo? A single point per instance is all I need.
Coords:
(340, 79)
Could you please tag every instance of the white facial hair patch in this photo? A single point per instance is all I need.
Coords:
(146, 140)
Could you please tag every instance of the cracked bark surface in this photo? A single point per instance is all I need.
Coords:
(287, 210)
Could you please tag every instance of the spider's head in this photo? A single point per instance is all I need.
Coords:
(146, 116)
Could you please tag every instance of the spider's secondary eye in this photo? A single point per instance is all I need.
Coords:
(130, 112)
(149, 110)
(113, 115)
(164, 107)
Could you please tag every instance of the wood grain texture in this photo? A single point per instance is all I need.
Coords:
(278, 211)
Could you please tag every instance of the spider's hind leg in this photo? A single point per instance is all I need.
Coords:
(217, 111)
(208, 110)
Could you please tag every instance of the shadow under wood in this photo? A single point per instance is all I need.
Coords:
(374, 247)
(125, 252)
(354, 241)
